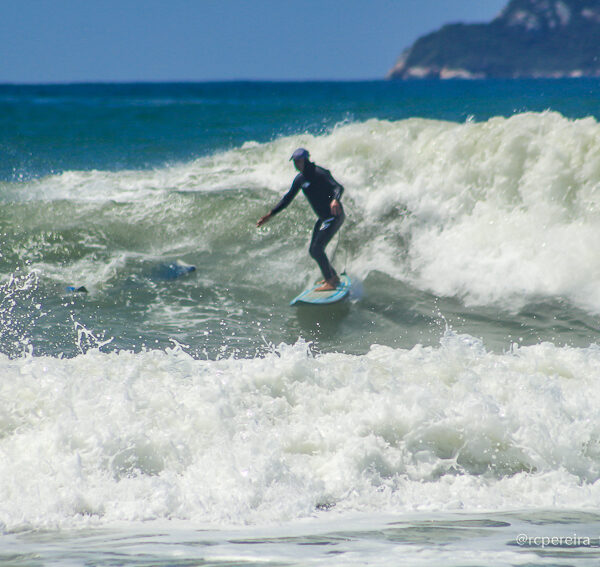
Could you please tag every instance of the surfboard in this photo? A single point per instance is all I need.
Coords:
(172, 270)
(324, 297)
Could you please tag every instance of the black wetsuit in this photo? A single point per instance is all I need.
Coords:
(320, 188)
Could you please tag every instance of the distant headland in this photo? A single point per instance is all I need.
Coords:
(529, 38)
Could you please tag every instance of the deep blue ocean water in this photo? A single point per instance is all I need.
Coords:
(54, 128)
(166, 416)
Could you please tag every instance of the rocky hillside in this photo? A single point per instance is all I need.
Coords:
(529, 38)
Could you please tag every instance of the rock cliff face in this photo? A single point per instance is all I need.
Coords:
(529, 38)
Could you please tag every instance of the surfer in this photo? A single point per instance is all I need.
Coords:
(323, 193)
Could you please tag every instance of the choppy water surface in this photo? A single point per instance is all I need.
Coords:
(166, 416)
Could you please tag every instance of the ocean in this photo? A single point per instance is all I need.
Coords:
(447, 413)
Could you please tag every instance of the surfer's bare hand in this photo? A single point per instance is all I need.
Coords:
(262, 220)
(336, 208)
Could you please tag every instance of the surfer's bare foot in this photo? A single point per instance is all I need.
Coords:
(329, 285)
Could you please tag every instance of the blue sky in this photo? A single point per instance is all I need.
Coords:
(46, 41)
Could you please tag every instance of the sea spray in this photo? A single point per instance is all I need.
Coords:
(123, 436)
(18, 313)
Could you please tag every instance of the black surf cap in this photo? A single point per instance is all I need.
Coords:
(299, 154)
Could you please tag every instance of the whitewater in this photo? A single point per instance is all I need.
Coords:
(448, 408)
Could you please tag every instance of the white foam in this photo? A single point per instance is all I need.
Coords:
(104, 438)
(502, 211)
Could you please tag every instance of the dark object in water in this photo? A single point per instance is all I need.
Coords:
(172, 271)
(80, 289)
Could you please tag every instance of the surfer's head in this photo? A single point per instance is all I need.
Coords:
(300, 158)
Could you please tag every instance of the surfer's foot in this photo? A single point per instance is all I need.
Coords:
(329, 285)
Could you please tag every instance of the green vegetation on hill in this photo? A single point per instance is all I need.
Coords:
(530, 38)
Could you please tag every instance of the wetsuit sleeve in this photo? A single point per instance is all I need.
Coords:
(337, 188)
(288, 197)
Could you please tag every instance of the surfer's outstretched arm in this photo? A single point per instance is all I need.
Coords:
(285, 201)
(262, 220)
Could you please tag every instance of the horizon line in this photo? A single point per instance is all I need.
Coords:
(184, 81)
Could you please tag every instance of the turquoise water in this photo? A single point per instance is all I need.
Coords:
(448, 407)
